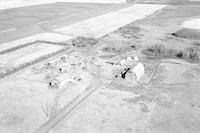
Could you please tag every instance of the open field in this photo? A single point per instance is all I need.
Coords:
(112, 21)
(7, 4)
(18, 23)
(170, 2)
(136, 76)
(35, 95)
(29, 53)
(25, 56)
(164, 99)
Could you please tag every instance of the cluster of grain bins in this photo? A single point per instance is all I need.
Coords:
(63, 70)
(126, 69)
(137, 69)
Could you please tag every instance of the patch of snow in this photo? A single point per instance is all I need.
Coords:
(123, 62)
(139, 70)
(104, 24)
(6, 4)
(129, 58)
(192, 23)
(54, 37)
(136, 58)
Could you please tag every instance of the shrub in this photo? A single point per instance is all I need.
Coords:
(156, 50)
(187, 34)
(82, 42)
(190, 54)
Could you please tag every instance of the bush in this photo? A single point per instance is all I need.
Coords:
(109, 49)
(190, 54)
(187, 34)
(159, 51)
(82, 42)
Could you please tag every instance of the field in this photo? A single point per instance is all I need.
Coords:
(88, 84)
(25, 56)
(170, 2)
(166, 98)
(6, 4)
